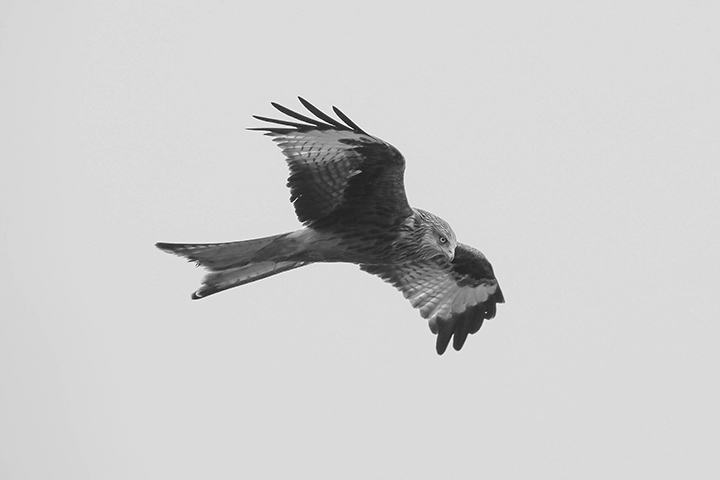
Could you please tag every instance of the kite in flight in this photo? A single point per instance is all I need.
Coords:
(347, 189)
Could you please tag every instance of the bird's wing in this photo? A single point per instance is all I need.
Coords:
(456, 297)
(337, 171)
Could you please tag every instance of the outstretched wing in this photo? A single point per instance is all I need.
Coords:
(338, 171)
(456, 297)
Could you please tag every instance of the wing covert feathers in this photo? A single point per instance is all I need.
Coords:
(456, 297)
(338, 172)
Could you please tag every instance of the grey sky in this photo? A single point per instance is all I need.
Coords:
(577, 146)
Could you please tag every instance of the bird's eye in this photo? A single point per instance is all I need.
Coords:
(442, 239)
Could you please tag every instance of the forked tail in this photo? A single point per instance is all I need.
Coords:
(236, 263)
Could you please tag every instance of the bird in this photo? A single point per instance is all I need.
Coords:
(347, 188)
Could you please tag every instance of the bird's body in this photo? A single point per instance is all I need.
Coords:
(347, 189)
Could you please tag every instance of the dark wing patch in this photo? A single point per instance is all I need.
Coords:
(456, 297)
(337, 171)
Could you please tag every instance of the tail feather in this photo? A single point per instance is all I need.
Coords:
(236, 263)
(217, 256)
(233, 277)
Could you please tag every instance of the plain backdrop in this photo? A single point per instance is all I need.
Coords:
(577, 144)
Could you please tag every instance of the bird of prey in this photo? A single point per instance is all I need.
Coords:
(347, 189)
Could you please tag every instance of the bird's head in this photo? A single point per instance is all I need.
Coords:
(439, 234)
(446, 240)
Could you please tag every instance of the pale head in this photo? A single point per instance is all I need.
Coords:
(439, 235)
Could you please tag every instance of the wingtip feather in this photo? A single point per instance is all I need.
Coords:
(443, 340)
(347, 120)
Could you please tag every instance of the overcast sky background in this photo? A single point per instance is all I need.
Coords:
(576, 145)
